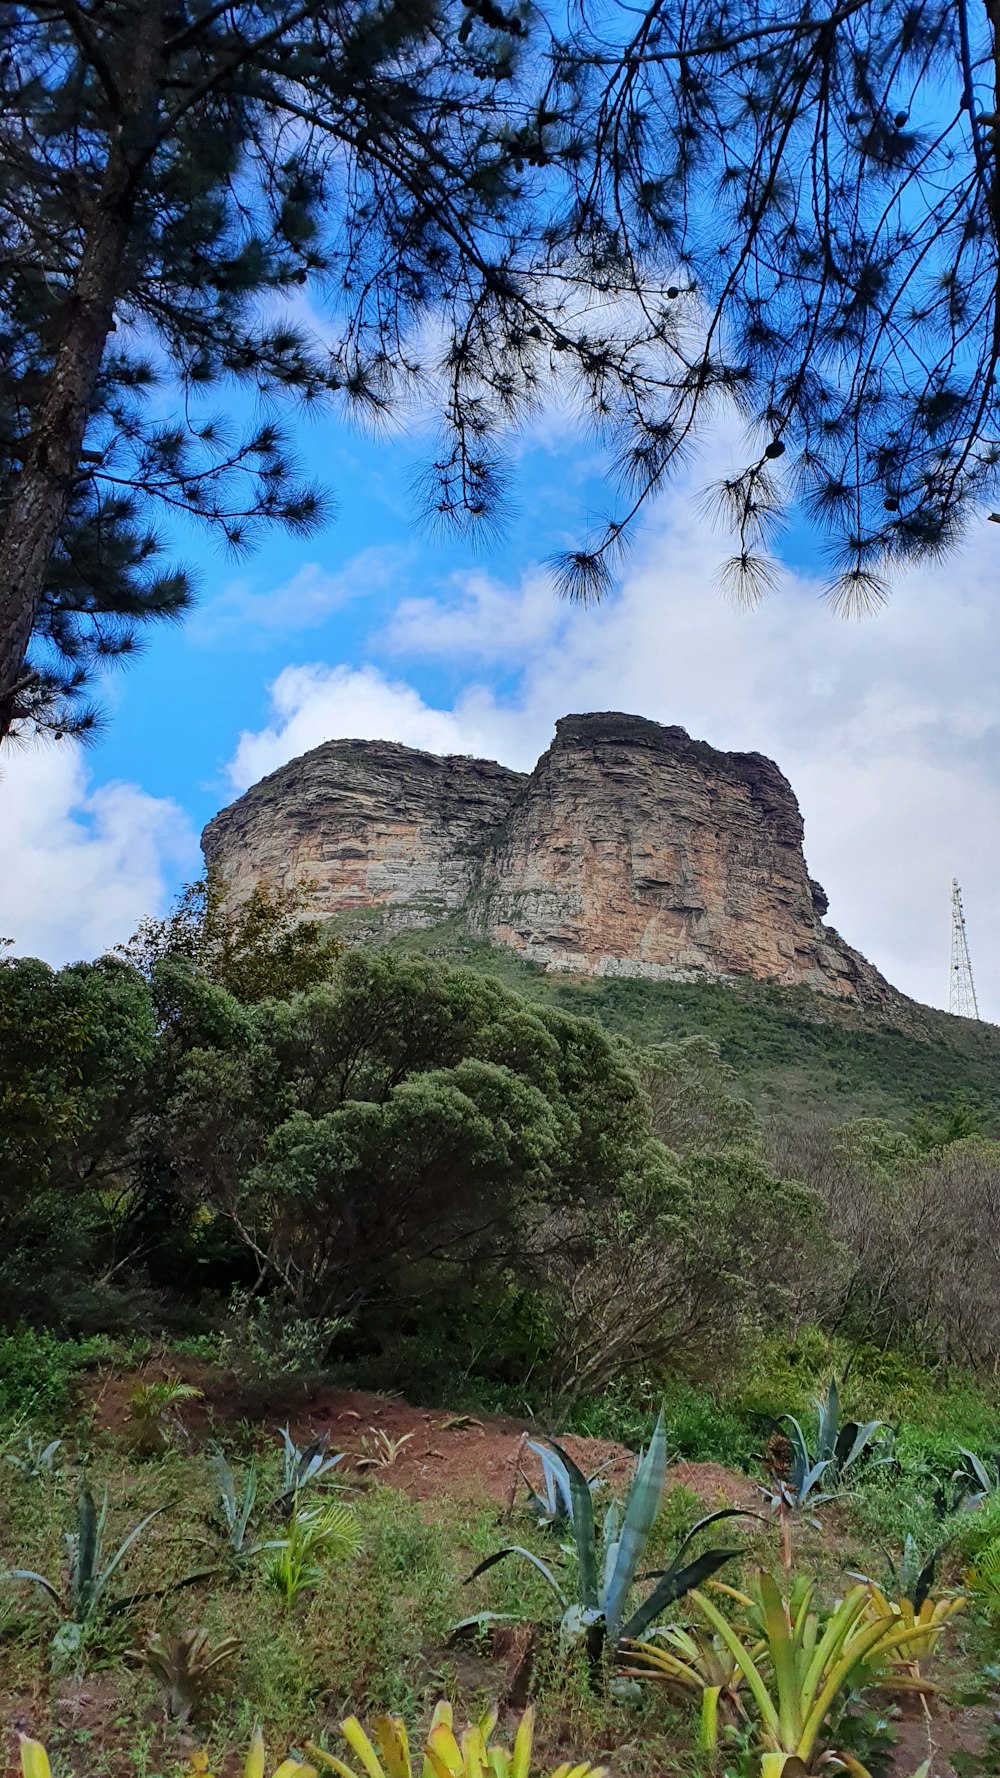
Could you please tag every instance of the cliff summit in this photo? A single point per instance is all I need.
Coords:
(630, 849)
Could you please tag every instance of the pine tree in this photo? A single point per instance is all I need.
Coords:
(817, 183)
(172, 173)
(787, 209)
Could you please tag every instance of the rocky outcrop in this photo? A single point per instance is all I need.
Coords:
(366, 826)
(631, 849)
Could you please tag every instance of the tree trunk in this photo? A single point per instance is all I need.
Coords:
(43, 489)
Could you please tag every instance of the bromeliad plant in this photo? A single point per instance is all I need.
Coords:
(35, 1462)
(182, 1666)
(476, 1755)
(607, 1566)
(926, 1618)
(444, 1756)
(798, 1676)
(697, 1660)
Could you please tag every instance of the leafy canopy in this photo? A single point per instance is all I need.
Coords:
(780, 210)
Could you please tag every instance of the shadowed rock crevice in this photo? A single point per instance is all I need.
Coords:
(631, 849)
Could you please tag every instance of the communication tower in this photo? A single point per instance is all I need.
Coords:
(962, 988)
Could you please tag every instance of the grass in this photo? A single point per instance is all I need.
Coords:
(794, 1051)
(373, 1633)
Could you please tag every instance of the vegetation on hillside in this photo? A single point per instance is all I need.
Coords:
(260, 1167)
(795, 1052)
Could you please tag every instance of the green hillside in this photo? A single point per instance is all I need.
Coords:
(794, 1051)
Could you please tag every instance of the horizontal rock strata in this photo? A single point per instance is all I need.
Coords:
(631, 850)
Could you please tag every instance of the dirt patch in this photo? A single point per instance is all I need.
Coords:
(943, 1731)
(424, 1452)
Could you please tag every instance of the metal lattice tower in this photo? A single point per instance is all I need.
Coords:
(962, 988)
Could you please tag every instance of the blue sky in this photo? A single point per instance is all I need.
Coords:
(887, 729)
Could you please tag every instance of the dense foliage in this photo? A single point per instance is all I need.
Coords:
(379, 1159)
(397, 1155)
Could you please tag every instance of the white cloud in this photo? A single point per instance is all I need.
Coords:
(318, 703)
(482, 620)
(258, 614)
(81, 867)
(888, 729)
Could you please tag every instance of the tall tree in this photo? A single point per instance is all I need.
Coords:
(170, 171)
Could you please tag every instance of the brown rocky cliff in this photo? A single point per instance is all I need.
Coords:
(631, 849)
(366, 825)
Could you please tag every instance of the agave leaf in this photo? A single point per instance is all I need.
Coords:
(479, 1621)
(122, 1551)
(925, 1580)
(800, 1462)
(40, 1581)
(584, 1531)
(641, 1509)
(89, 1527)
(515, 1549)
(249, 1499)
(226, 1483)
(829, 1420)
(863, 1437)
(674, 1584)
(725, 1512)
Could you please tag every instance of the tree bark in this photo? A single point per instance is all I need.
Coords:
(43, 489)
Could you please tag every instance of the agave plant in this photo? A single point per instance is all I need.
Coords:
(237, 1510)
(973, 1480)
(315, 1534)
(35, 1462)
(801, 1673)
(443, 1755)
(302, 1468)
(839, 1449)
(182, 1664)
(82, 1599)
(607, 1566)
(553, 1506)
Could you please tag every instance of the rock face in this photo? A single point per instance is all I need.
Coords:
(631, 849)
(366, 825)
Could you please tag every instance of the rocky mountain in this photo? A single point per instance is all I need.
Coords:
(630, 850)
